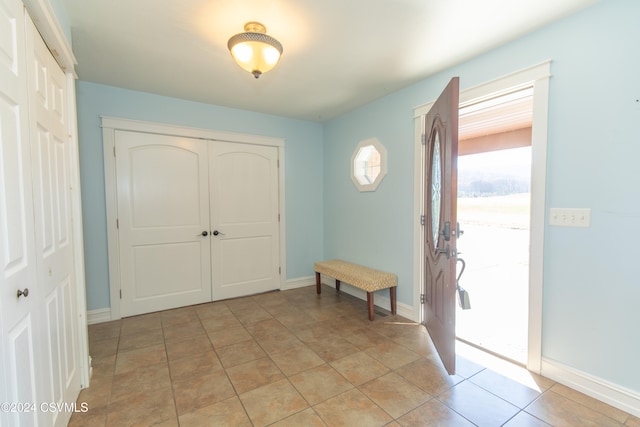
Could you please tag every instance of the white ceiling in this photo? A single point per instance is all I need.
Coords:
(338, 54)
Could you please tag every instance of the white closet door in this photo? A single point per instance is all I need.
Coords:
(51, 160)
(163, 212)
(244, 216)
(20, 332)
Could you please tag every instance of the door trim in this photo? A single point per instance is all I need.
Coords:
(538, 77)
(110, 125)
(45, 19)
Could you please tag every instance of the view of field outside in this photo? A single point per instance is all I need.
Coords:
(493, 211)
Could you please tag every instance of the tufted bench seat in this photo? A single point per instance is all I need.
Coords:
(365, 278)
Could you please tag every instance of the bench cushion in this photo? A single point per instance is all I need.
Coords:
(357, 275)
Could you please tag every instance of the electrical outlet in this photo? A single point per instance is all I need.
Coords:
(570, 217)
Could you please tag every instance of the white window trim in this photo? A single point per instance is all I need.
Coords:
(383, 164)
(536, 76)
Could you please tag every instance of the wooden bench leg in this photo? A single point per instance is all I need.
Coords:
(317, 283)
(337, 285)
(392, 296)
(370, 304)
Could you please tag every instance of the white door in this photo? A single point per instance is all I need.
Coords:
(51, 159)
(163, 216)
(20, 316)
(198, 220)
(244, 217)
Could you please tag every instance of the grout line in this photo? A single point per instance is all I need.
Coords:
(331, 303)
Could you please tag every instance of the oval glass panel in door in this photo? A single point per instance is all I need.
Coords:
(436, 190)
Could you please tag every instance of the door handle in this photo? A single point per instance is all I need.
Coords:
(446, 251)
(216, 233)
(463, 296)
(204, 233)
(464, 264)
(24, 293)
(446, 231)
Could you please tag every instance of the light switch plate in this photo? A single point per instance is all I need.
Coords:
(570, 217)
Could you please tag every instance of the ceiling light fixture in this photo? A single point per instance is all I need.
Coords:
(254, 50)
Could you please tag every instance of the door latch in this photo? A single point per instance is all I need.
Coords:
(446, 251)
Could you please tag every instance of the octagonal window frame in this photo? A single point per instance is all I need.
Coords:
(358, 168)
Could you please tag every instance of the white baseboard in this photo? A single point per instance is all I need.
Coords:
(300, 282)
(379, 300)
(99, 316)
(612, 394)
(104, 314)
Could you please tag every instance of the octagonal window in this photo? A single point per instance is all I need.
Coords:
(368, 164)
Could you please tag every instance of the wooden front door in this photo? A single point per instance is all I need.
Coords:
(440, 195)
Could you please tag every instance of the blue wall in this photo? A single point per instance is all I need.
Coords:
(303, 170)
(372, 228)
(591, 288)
(62, 17)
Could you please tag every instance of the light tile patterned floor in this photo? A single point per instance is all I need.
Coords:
(294, 358)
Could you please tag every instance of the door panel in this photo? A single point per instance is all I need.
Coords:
(243, 259)
(51, 199)
(24, 384)
(441, 151)
(163, 173)
(163, 209)
(50, 155)
(157, 271)
(19, 380)
(69, 353)
(244, 210)
(53, 338)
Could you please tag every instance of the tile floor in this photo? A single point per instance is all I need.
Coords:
(293, 358)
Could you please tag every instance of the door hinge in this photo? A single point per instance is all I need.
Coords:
(120, 293)
(422, 219)
(117, 223)
(424, 139)
(278, 163)
(114, 151)
(280, 270)
(421, 298)
(278, 217)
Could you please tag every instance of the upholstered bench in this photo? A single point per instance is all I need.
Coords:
(365, 278)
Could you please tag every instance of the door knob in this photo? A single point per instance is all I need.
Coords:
(216, 232)
(458, 232)
(24, 293)
(204, 233)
